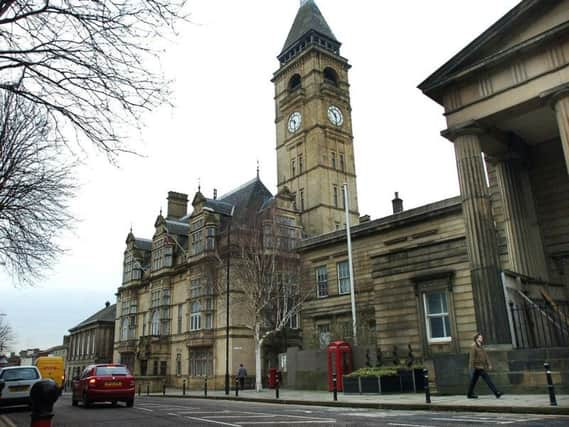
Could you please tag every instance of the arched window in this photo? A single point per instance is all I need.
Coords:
(330, 76)
(295, 83)
(155, 323)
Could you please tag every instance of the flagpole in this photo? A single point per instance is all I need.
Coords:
(350, 265)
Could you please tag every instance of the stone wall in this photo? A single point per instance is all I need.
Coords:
(514, 371)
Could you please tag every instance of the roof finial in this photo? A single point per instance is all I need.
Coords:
(257, 168)
(199, 185)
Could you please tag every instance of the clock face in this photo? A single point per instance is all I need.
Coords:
(335, 115)
(294, 122)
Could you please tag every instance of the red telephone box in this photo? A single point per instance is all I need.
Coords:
(272, 377)
(340, 362)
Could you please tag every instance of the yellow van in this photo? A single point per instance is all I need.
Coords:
(52, 367)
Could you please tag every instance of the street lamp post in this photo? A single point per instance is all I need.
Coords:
(229, 216)
(227, 309)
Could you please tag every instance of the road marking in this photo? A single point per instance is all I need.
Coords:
(212, 421)
(5, 421)
(474, 420)
(145, 409)
(288, 422)
(409, 425)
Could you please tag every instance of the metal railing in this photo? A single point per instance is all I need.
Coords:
(538, 324)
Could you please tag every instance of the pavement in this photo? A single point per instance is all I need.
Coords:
(518, 403)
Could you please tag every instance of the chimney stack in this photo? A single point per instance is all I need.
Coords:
(107, 303)
(215, 194)
(177, 205)
(397, 204)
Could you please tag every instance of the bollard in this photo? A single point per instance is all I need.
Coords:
(205, 386)
(427, 390)
(334, 386)
(552, 400)
(236, 386)
(277, 386)
(147, 389)
(184, 388)
(43, 395)
(164, 389)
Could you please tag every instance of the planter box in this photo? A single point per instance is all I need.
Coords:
(369, 385)
(390, 384)
(419, 378)
(405, 381)
(351, 384)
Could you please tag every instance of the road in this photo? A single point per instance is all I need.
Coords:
(159, 412)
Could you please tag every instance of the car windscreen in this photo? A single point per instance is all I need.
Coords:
(19, 374)
(103, 371)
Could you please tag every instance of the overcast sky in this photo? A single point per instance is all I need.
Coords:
(223, 123)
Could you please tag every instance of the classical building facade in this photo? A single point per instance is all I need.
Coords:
(91, 341)
(494, 259)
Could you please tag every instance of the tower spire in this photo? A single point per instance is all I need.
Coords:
(308, 29)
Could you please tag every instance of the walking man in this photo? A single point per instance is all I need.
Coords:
(241, 374)
(478, 365)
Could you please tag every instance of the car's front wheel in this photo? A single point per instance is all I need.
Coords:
(74, 402)
(129, 403)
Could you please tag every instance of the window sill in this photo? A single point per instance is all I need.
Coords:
(440, 340)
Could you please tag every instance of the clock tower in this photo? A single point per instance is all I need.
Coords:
(315, 153)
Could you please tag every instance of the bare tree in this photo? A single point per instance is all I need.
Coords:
(7, 336)
(91, 65)
(265, 279)
(35, 186)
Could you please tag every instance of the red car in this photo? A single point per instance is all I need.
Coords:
(104, 383)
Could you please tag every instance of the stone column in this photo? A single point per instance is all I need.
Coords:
(524, 249)
(487, 288)
(561, 105)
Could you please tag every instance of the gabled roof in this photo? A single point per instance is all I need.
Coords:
(106, 315)
(144, 244)
(176, 227)
(308, 20)
(247, 199)
(480, 47)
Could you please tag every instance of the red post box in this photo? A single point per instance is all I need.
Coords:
(339, 362)
(272, 377)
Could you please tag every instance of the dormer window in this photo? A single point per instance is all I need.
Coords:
(197, 238)
(210, 238)
(132, 269)
(162, 253)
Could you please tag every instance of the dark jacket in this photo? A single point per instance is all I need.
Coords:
(478, 357)
(242, 373)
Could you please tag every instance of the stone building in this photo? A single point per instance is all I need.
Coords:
(493, 259)
(172, 314)
(91, 341)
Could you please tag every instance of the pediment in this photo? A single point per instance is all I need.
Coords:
(528, 22)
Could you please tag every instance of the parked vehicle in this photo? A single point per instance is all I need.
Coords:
(15, 384)
(52, 367)
(103, 383)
